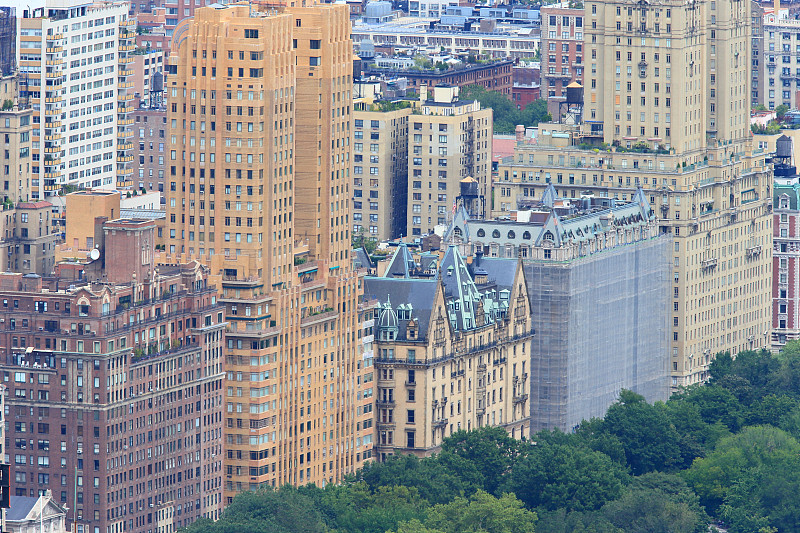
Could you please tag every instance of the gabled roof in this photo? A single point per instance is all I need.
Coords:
(550, 196)
(361, 259)
(419, 293)
(401, 264)
(25, 508)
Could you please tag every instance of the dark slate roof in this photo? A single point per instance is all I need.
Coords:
(20, 507)
(401, 264)
(361, 259)
(500, 271)
(419, 293)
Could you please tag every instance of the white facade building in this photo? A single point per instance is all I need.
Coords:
(74, 60)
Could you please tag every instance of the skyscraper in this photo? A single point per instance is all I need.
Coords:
(666, 105)
(273, 225)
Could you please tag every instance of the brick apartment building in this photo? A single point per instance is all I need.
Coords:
(115, 386)
(562, 55)
(494, 76)
(149, 144)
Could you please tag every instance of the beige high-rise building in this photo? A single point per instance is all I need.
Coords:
(275, 231)
(15, 132)
(668, 92)
(380, 168)
(450, 139)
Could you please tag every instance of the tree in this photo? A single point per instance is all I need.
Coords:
(765, 496)
(265, 511)
(649, 440)
(714, 403)
(653, 511)
(353, 507)
(482, 513)
(438, 479)
(713, 477)
(506, 116)
(781, 111)
(490, 449)
(569, 476)
(360, 240)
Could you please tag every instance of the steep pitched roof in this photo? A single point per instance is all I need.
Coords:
(418, 293)
(401, 264)
(550, 196)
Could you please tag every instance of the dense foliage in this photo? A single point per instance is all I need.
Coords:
(727, 451)
(506, 116)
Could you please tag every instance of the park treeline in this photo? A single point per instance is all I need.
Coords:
(727, 451)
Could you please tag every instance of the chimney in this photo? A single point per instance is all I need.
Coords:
(423, 92)
(777, 8)
(520, 131)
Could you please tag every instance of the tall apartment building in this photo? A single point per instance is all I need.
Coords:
(150, 147)
(450, 139)
(700, 172)
(275, 228)
(148, 80)
(786, 247)
(780, 61)
(380, 168)
(28, 239)
(74, 59)
(757, 78)
(15, 133)
(562, 56)
(116, 386)
(454, 345)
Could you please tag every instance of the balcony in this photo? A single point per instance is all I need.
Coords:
(520, 398)
(385, 403)
(753, 251)
(708, 264)
(439, 424)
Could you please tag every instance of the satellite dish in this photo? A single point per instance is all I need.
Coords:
(94, 254)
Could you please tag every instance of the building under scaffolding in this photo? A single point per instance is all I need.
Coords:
(8, 39)
(600, 327)
(598, 282)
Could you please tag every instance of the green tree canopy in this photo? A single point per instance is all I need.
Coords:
(438, 479)
(713, 477)
(265, 511)
(576, 478)
(490, 449)
(506, 116)
(649, 439)
(482, 513)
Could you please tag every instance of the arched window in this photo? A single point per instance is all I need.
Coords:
(526, 235)
(457, 232)
(511, 234)
(481, 233)
(549, 236)
(496, 234)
